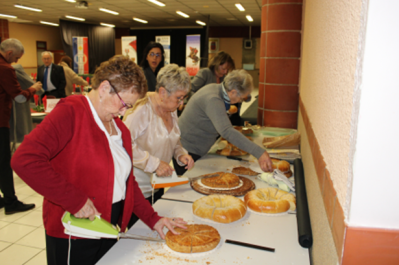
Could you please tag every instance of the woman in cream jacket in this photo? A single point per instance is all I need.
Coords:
(70, 76)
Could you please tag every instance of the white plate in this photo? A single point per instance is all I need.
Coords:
(35, 114)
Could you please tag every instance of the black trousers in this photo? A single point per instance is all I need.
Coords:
(6, 176)
(157, 196)
(82, 251)
(181, 170)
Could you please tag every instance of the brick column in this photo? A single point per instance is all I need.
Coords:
(279, 63)
(4, 29)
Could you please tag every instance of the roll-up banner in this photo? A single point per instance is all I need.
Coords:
(193, 52)
(80, 55)
(165, 42)
(129, 47)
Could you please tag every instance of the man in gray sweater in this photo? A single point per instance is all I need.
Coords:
(205, 118)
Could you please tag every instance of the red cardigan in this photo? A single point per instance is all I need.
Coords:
(67, 159)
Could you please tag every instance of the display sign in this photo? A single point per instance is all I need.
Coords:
(165, 41)
(193, 52)
(213, 45)
(129, 47)
(80, 55)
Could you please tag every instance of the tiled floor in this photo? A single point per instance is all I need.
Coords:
(22, 238)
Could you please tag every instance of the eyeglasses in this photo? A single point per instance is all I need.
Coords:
(125, 105)
(158, 55)
(179, 99)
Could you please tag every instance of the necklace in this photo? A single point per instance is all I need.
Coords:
(110, 128)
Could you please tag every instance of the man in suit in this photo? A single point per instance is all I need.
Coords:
(10, 52)
(52, 77)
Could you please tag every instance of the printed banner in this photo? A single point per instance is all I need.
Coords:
(129, 47)
(80, 55)
(193, 52)
(165, 41)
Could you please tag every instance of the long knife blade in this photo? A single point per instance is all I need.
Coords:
(243, 244)
(237, 158)
(145, 238)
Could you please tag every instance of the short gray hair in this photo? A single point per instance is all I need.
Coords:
(43, 53)
(240, 81)
(12, 45)
(173, 78)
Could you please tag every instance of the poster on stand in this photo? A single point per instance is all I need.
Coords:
(193, 52)
(165, 41)
(129, 47)
(80, 55)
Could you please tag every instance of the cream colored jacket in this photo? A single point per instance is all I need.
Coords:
(71, 78)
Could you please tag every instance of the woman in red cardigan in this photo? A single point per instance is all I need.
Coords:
(80, 159)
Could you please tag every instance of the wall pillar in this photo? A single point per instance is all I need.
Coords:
(279, 63)
(4, 34)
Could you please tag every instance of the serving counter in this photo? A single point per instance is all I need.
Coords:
(279, 231)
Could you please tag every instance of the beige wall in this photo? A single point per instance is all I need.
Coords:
(329, 51)
(28, 35)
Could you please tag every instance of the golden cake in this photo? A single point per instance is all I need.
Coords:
(194, 239)
(283, 166)
(270, 200)
(221, 180)
(220, 208)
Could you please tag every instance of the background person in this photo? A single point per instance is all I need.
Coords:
(205, 118)
(80, 160)
(52, 76)
(70, 76)
(153, 60)
(155, 131)
(11, 50)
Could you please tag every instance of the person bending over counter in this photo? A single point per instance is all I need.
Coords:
(70, 75)
(155, 131)
(205, 118)
(153, 60)
(80, 160)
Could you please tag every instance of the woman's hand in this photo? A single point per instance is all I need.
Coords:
(265, 163)
(88, 211)
(187, 160)
(169, 223)
(164, 169)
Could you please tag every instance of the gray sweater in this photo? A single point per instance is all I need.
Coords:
(204, 118)
(204, 77)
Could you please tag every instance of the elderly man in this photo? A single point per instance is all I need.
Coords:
(52, 76)
(11, 50)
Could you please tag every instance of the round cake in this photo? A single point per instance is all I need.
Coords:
(283, 166)
(222, 180)
(220, 208)
(194, 239)
(270, 200)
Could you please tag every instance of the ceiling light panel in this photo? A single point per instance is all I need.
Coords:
(140, 20)
(182, 14)
(107, 25)
(200, 22)
(75, 18)
(8, 16)
(156, 2)
(28, 8)
(49, 23)
(108, 11)
(240, 7)
(249, 18)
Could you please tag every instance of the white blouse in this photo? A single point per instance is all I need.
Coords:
(121, 159)
(151, 143)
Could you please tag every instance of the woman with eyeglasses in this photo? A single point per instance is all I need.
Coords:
(205, 118)
(153, 60)
(80, 159)
(155, 131)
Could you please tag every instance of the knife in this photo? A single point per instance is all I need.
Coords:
(237, 158)
(243, 244)
(145, 238)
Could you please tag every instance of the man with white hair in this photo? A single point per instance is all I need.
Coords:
(11, 50)
(52, 76)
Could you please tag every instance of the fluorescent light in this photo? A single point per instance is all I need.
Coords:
(107, 25)
(250, 19)
(109, 11)
(200, 22)
(71, 1)
(3, 15)
(156, 2)
(76, 18)
(49, 23)
(240, 7)
(140, 20)
(29, 8)
(182, 14)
